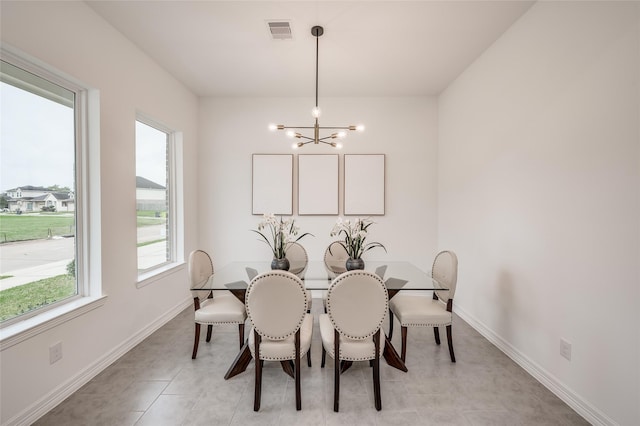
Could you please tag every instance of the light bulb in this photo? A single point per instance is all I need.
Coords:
(342, 134)
(291, 133)
(360, 128)
(273, 127)
(315, 112)
(338, 145)
(294, 145)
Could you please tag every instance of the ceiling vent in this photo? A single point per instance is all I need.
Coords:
(280, 30)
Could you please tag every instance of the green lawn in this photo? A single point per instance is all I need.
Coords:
(27, 297)
(24, 227)
(15, 227)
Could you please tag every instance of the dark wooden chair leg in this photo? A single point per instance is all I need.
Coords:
(336, 371)
(436, 334)
(196, 340)
(297, 362)
(403, 354)
(258, 385)
(209, 331)
(241, 334)
(376, 372)
(309, 357)
(324, 357)
(289, 368)
(450, 342)
(390, 324)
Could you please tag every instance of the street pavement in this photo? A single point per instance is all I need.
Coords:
(28, 261)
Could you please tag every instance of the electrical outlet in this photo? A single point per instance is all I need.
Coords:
(565, 349)
(55, 353)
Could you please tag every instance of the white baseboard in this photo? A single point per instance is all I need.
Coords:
(573, 400)
(66, 389)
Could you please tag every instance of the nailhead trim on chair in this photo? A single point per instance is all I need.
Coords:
(426, 325)
(342, 277)
(289, 276)
(346, 358)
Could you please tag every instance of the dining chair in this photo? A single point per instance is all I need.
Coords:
(335, 253)
(276, 303)
(357, 303)
(297, 253)
(211, 308)
(420, 311)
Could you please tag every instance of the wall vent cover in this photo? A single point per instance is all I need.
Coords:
(280, 30)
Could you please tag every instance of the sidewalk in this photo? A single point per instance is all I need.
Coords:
(35, 273)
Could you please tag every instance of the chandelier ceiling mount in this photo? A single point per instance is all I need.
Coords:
(338, 132)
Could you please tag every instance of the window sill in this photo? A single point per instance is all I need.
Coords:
(23, 330)
(156, 274)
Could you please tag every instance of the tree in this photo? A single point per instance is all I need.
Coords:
(58, 188)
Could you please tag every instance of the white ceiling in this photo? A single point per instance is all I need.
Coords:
(369, 48)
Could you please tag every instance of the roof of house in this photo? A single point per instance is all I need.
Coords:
(29, 188)
(147, 184)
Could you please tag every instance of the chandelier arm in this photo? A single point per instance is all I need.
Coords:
(334, 128)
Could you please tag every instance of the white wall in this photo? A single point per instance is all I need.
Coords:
(404, 129)
(539, 186)
(72, 38)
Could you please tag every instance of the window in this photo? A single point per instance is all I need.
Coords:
(155, 196)
(44, 142)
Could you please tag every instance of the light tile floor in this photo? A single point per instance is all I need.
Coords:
(157, 383)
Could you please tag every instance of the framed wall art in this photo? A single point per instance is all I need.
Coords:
(272, 176)
(364, 184)
(318, 184)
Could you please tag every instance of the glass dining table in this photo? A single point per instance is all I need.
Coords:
(318, 275)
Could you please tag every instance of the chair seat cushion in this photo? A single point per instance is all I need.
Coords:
(350, 349)
(282, 350)
(419, 311)
(224, 309)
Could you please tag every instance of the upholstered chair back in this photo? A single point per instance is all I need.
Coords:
(297, 253)
(200, 269)
(335, 252)
(276, 303)
(357, 303)
(445, 271)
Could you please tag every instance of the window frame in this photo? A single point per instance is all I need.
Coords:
(87, 207)
(175, 223)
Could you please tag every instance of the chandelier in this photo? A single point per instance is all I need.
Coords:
(339, 131)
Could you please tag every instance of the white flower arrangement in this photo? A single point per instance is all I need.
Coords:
(355, 234)
(282, 234)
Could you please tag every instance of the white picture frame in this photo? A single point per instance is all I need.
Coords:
(318, 184)
(364, 184)
(272, 184)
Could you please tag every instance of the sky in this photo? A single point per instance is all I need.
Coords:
(36, 140)
(151, 153)
(37, 143)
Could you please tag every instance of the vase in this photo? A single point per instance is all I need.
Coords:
(282, 264)
(353, 264)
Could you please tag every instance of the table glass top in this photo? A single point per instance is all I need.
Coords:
(318, 276)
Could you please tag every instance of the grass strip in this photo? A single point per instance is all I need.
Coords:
(25, 298)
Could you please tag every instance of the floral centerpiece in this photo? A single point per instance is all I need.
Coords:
(282, 233)
(355, 235)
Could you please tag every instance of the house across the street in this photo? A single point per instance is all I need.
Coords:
(36, 198)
